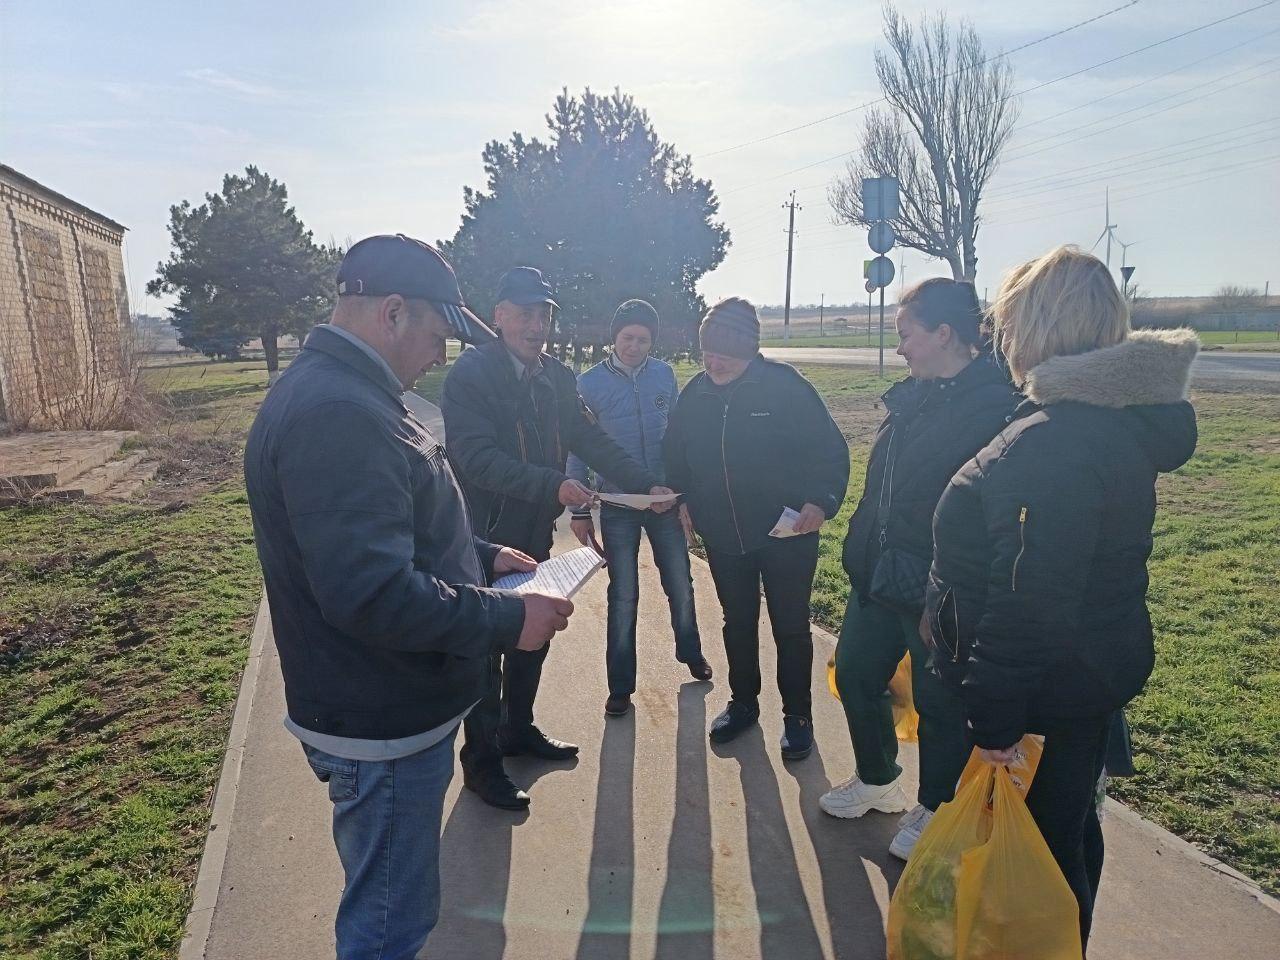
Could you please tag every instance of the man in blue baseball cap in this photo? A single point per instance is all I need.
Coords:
(378, 587)
(513, 415)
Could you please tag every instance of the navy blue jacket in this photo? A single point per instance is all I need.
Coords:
(375, 581)
(511, 442)
(633, 411)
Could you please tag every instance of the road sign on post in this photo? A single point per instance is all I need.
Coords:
(881, 272)
(880, 198)
(881, 238)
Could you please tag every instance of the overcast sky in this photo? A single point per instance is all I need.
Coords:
(375, 115)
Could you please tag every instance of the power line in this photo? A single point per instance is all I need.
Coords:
(1143, 83)
(872, 103)
(1076, 73)
(1143, 106)
(1008, 187)
(1139, 166)
(1170, 183)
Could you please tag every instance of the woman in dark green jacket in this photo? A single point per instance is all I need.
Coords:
(954, 402)
(750, 437)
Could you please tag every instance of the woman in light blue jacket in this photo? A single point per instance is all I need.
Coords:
(632, 395)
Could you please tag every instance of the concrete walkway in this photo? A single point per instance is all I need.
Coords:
(653, 844)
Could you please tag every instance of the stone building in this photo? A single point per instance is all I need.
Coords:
(64, 310)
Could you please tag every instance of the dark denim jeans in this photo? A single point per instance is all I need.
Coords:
(785, 567)
(620, 529)
(386, 825)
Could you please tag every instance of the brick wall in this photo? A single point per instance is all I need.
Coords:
(63, 310)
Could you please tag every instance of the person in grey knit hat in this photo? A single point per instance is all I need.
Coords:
(731, 328)
(750, 438)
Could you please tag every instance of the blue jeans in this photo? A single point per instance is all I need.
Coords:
(620, 529)
(386, 825)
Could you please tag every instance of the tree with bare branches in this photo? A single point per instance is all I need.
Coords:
(951, 113)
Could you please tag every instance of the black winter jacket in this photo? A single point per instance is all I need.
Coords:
(1037, 596)
(742, 452)
(373, 576)
(510, 442)
(931, 429)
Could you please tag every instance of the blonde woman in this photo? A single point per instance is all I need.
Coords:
(1036, 605)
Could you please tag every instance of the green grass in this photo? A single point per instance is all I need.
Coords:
(123, 633)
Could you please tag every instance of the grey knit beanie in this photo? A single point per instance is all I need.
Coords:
(732, 328)
(634, 311)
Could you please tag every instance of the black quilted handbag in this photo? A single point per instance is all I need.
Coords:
(899, 581)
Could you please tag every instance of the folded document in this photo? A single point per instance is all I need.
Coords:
(561, 576)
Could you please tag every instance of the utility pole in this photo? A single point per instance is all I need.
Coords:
(791, 237)
(822, 307)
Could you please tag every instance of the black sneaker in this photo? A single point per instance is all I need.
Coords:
(797, 737)
(618, 704)
(535, 743)
(735, 719)
(494, 787)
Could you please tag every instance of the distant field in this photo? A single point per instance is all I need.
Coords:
(1251, 340)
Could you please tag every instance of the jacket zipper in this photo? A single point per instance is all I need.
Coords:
(1022, 547)
(644, 451)
(724, 427)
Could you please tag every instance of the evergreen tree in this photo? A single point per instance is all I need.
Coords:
(243, 266)
(605, 209)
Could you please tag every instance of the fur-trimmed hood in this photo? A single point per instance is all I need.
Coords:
(1150, 367)
(1143, 380)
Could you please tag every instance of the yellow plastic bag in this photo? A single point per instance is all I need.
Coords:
(1023, 769)
(981, 883)
(906, 721)
(1011, 898)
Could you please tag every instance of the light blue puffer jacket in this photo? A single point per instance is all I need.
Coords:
(632, 410)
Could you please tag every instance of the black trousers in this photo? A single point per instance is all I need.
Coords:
(511, 685)
(785, 567)
(1063, 802)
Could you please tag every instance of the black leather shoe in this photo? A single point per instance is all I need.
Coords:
(797, 737)
(735, 720)
(618, 705)
(494, 787)
(534, 743)
(699, 670)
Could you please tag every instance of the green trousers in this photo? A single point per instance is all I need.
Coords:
(873, 639)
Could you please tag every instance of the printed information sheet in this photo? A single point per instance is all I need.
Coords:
(636, 501)
(561, 576)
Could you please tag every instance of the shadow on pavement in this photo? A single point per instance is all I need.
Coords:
(606, 929)
(857, 931)
(475, 862)
(686, 913)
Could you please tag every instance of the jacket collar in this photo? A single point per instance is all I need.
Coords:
(753, 373)
(614, 366)
(1150, 367)
(909, 394)
(334, 345)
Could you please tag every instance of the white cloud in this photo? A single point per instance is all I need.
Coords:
(244, 88)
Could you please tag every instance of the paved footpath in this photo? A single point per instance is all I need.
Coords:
(653, 844)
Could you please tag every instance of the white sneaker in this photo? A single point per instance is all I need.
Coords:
(911, 816)
(907, 837)
(853, 798)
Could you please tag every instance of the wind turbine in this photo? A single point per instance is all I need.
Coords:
(1108, 231)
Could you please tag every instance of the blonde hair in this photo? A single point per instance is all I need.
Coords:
(1064, 302)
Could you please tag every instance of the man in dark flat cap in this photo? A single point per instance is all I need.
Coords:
(378, 588)
(512, 415)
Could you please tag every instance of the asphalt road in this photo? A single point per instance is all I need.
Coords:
(1214, 365)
